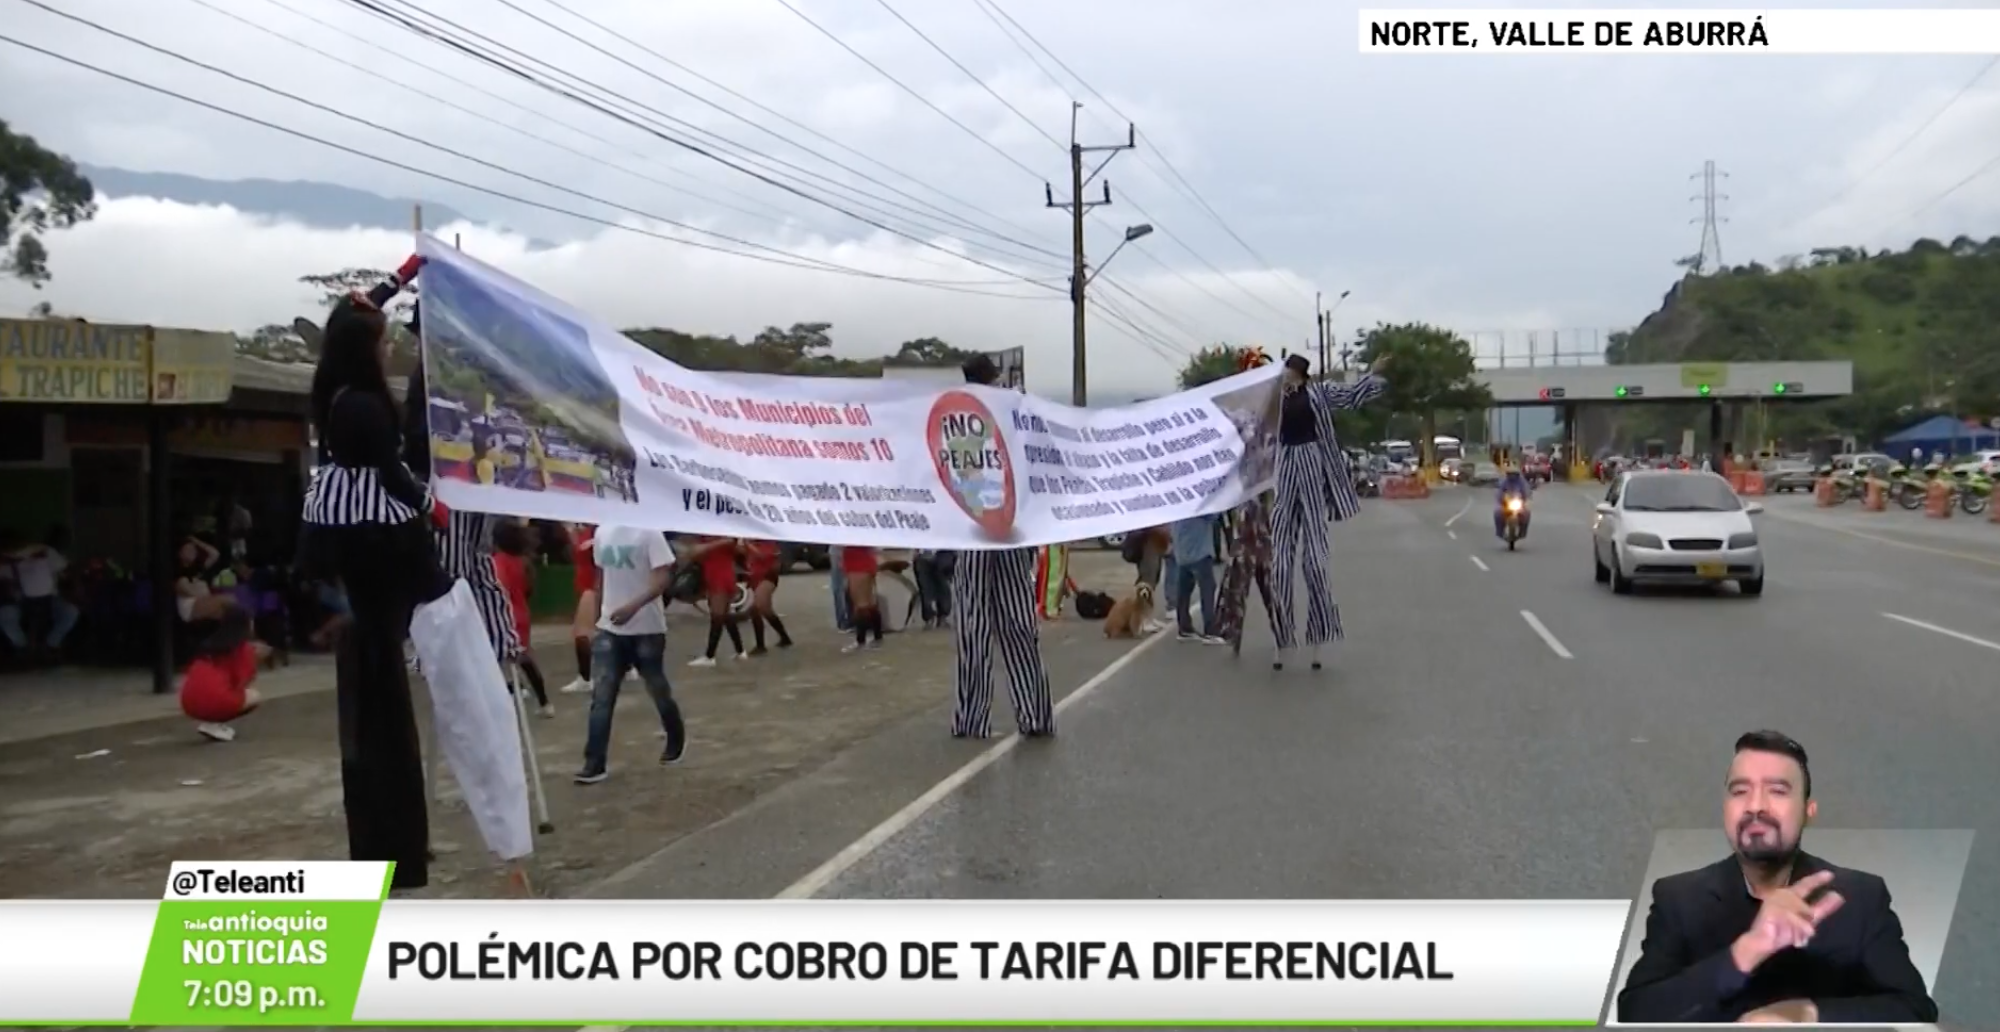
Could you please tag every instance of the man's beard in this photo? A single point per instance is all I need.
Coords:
(1770, 850)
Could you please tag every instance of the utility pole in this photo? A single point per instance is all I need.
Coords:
(1077, 207)
(1709, 257)
(1319, 321)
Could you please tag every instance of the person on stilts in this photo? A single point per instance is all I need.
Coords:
(1313, 487)
(993, 598)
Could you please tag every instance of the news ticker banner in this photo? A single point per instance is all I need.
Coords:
(317, 944)
(1747, 31)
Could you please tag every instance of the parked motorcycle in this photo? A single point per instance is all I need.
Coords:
(1975, 492)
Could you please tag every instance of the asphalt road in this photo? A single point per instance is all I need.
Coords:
(1451, 750)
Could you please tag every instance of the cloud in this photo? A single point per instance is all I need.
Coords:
(1486, 194)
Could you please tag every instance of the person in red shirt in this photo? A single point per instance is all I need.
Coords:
(859, 565)
(215, 689)
(511, 545)
(584, 627)
(717, 556)
(761, 559)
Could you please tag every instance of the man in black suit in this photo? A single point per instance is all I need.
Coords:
(1772, 934)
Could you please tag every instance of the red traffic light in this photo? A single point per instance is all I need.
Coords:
(1552, 393)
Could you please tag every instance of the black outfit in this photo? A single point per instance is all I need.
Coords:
(1296, 421)
(366, 523)
(1856, 969)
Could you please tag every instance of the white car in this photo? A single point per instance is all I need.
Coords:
(1985, 461)
(1675, 527)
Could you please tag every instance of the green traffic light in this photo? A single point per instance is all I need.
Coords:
(1620, 392)
(1778, 388)
(1702, 390)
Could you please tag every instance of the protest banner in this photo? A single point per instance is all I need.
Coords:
(538, 410)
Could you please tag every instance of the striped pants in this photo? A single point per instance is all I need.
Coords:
(993, 601)
(465, 549)
(1299, 531)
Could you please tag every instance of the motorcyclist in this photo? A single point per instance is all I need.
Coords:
(1512, 484)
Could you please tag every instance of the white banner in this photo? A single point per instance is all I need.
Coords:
(1539, 963)
(1753, 31)
(538, 410)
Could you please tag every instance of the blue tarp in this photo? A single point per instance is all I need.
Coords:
(1945, 434)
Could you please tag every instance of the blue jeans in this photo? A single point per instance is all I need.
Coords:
(1200, 572)
(933, 588)
(1170, 577)
(611, 656)
(843, 619)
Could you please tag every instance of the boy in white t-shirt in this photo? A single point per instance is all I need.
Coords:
(636, 568)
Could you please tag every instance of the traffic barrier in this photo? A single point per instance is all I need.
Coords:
(1992, 512)
(1875, 500)
(1937, 501)
(1735, 480)
(1823, 492)
(1753, 483)
(1405, 488)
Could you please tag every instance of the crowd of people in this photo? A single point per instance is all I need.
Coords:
(373, 528)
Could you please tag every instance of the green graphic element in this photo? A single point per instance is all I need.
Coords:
(1696, 375)
(255, 962)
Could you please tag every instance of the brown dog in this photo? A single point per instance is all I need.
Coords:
(1130, 615)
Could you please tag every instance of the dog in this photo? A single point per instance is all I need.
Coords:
(1131, 616)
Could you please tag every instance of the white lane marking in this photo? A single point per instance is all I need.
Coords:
(1535, 624)
(1452, 534)
(840, 863)
(1481, 563)
(825, 874)
(1462, 510)
(1946, 631)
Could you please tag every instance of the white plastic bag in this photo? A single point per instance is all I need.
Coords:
(472, 720)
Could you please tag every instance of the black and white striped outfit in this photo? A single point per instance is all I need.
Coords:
(465, 549)
(1313, 485)
(993, 603)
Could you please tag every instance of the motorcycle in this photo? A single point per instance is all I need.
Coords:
(1514, 522)
(1975, 492)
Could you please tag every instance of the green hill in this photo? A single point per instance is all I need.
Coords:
(1921, 326)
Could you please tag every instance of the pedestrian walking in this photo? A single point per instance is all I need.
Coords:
(583, 625)
(760, 559)
(636, 567)
(716, 557)
(1313, 486)
(993, 597)
(512, 543)
(860, 565)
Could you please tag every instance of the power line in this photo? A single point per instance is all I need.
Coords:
(798, 262)
(510, 127)
(599, 105)
(1949, 103)
(1192, 193)
(956, 63)
(788, 120)
(511, 5)
(906, 88)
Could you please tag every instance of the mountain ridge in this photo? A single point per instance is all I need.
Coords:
(314, 204)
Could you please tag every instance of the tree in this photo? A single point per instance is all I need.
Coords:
(930, 351)
(1210, 364)
(336, 285)
(40, 190)
(1430, 370)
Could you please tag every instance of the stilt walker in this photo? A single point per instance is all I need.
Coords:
(993, 599)
(1249, 550)
(1313, 487)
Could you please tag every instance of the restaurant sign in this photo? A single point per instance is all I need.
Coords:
(73, 362)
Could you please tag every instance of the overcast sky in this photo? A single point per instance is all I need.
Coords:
(1529, 193)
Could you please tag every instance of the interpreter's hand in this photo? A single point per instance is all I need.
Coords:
(1784, 1012)
(1786, 921)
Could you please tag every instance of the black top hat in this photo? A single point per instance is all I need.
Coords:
(1299, 364)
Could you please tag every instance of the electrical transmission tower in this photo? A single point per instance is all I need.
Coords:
(1709, 257)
